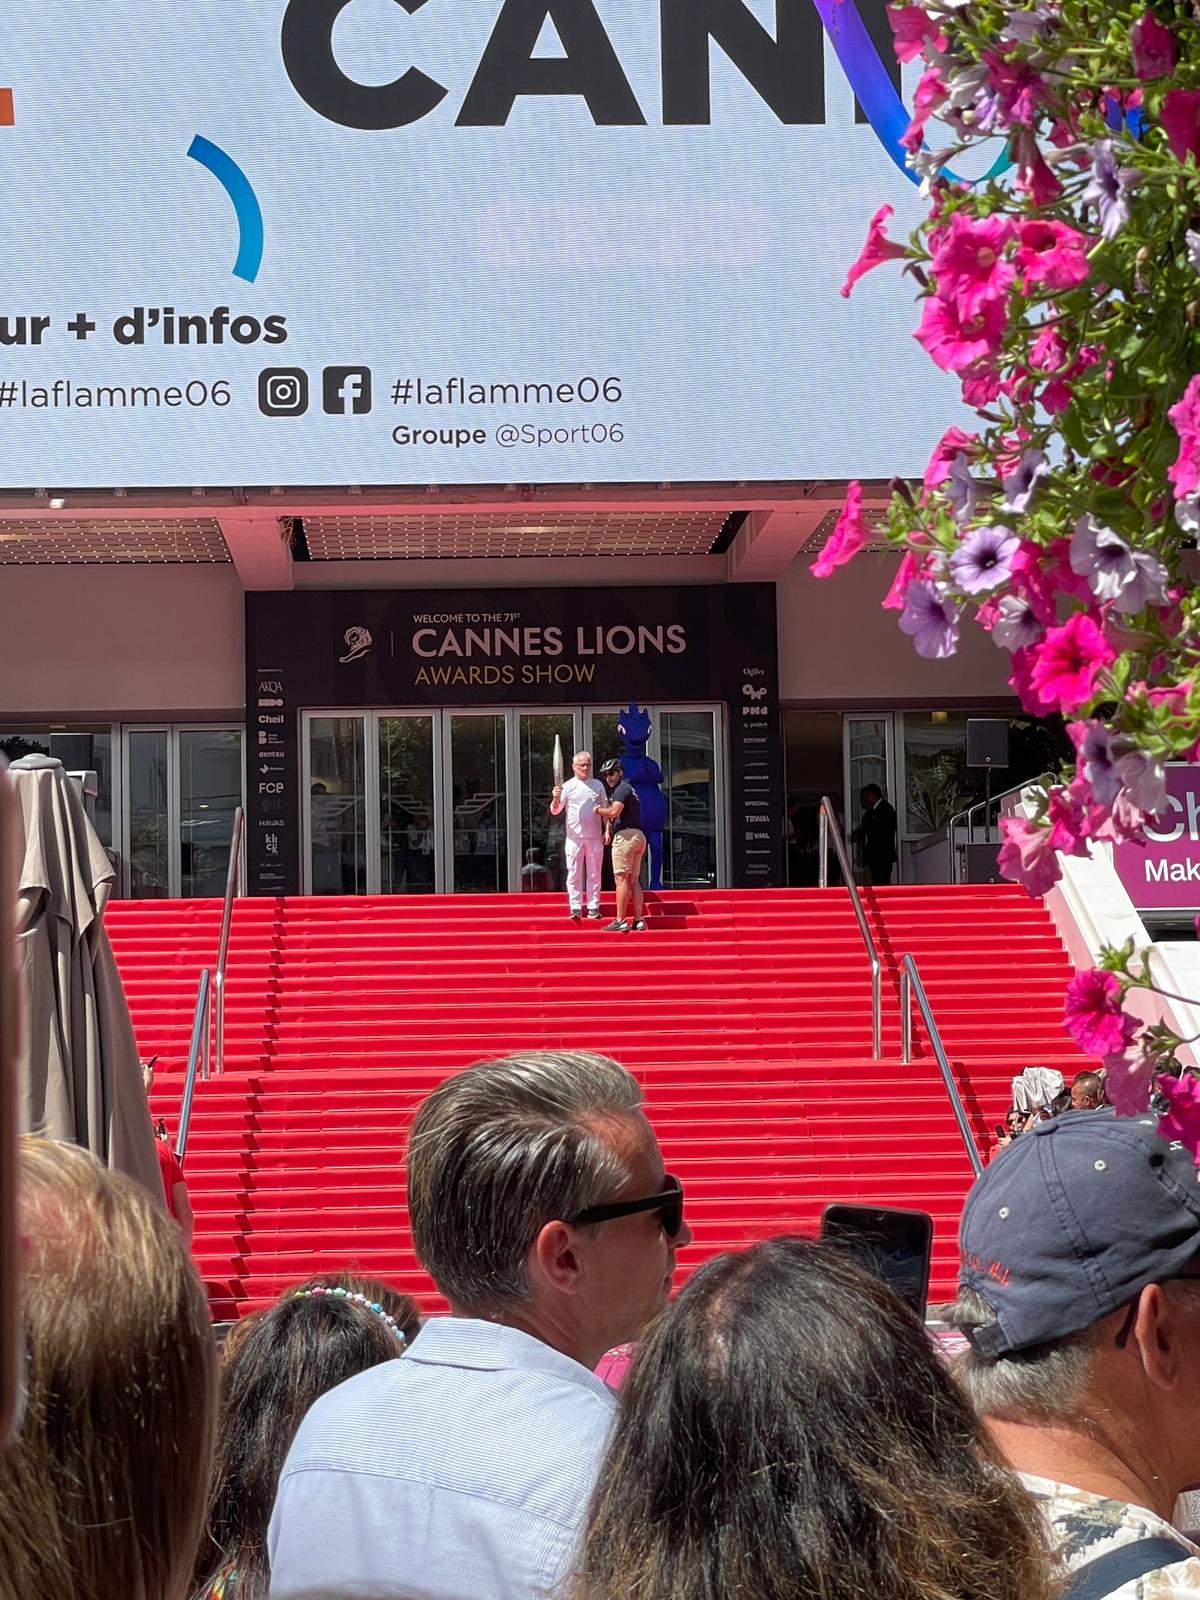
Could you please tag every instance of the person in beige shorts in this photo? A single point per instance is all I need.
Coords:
(622, 816)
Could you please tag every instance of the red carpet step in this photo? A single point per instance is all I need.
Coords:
(746, 1015)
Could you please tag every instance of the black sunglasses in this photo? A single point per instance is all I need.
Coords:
(669, 1203)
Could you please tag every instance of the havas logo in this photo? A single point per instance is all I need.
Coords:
(786, 70)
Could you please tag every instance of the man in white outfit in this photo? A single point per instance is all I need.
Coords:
(578, 797)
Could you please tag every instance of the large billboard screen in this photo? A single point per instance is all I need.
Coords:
(445, 241)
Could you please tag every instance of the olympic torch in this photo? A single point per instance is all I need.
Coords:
(559, 769)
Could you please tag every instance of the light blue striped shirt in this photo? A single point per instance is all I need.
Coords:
(461, 1471)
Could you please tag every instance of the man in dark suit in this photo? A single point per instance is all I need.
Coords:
(877, 835)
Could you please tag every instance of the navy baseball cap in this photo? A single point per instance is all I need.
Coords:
(1073, 1219)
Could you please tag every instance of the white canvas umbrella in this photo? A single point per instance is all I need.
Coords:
(79, 1077)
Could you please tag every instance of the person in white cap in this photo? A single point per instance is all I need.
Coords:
(578, 797)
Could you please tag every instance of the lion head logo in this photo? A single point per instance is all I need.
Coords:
(358, 642)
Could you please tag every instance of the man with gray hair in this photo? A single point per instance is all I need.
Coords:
(1079, 1293)
(579, 797)
(540, 1207)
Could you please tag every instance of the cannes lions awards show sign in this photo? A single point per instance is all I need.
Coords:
(255, 242)
(345, 648)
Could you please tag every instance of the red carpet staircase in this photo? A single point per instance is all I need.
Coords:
(745, 1014)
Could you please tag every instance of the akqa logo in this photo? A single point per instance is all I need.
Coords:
(347, 391)
(283, 391)
(358, 642)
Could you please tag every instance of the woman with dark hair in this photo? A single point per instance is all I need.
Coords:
(276, 1365)
(787, 1431)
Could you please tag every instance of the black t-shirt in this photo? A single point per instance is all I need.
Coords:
(631, 816)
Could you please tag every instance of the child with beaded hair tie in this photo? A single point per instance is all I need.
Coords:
(278, 1362)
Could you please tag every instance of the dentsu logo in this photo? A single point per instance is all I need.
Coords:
(785, 70)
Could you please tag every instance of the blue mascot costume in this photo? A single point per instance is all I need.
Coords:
(645, 775)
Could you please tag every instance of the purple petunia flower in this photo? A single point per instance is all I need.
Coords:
(1017, 624)
(1129, 578)
(960, 488)
(1098, 765)
(1024, 23)
(1023, 479)
(983, 560)
(1107, 186)
(931, 620)
(1144, 780)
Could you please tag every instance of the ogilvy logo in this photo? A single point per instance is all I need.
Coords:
(785, 69)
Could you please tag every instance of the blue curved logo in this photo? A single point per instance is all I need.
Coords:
(874, 89)
(245, 203)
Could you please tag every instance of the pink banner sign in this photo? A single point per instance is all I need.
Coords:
(1164, 874)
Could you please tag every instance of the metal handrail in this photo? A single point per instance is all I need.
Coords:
(980, 805)
(830, 828)
(198, 1056)
(235, 883)
(910, 984)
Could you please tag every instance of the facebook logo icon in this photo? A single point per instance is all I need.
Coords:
(347, 391)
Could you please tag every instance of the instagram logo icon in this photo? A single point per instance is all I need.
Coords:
(283, 391)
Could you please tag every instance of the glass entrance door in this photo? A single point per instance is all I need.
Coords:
(477, 783)
(689, 748)
(459, 801)
(869, 758)
(182, 785)
(542, 840)
(407, 806)
(210, 791)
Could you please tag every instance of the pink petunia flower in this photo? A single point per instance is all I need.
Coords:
(1068, 661)
(1121, 823)
(912, 29)
(954, 341)
(848, 536)
(969, 264)
(1052, 253)
(1018, 89)
(1153, 46)
(1027, 856)
(1048, 351)
(1033, 581)
(1182, 1120)
(1093, 1014)
(894, 599)
(1127, 1082)
(1184, 473)
(878, 249)
(930, 94)
(1034, 174)
(981, 385)
(953, 443)
(1180, 118)
(1069, 824)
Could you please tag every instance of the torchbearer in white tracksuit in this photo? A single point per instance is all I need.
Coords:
(578, 797)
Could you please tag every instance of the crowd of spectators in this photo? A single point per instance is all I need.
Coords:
(786, 1427)
(1040, 1093)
